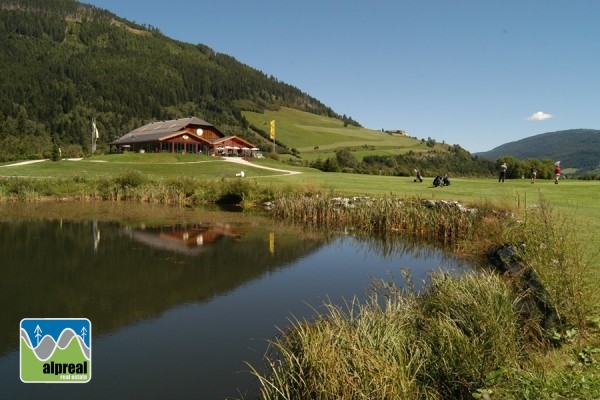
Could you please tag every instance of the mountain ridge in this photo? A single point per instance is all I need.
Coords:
(575, 148)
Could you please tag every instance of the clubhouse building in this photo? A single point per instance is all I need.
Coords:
(186, 135)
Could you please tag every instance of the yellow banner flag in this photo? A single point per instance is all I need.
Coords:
(273, 130)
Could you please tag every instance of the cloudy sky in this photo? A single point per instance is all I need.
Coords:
(474, 73)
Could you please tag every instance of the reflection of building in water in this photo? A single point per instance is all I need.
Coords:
(187, 239)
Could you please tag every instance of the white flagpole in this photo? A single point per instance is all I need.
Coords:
(94, 135)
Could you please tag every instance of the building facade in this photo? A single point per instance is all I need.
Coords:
(186, 135)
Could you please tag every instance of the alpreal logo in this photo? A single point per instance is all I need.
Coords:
(56, 350)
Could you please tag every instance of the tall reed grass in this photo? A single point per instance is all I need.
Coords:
(399, 346)
(460, 337)
(553, 246)
(444, 221)
(132, 185)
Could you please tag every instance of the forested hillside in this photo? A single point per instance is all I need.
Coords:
(63, 63)
(575, 148)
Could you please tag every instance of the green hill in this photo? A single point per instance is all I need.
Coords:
(576, 149)
(65, 63)
(314, 136)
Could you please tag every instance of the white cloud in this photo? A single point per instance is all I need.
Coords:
(539, 116)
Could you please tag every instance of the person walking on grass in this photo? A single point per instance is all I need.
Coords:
(533, 173)
(503, 169)
(556, 172)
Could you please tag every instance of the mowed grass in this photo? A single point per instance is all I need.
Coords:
(577, 198)
(304, 131)
(152, 165)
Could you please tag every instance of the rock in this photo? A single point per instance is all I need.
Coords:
(535, 299)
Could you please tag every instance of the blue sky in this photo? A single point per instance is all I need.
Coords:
(478, 73)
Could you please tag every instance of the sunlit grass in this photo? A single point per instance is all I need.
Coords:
(465, 337)
(557, 225)
(580, 197)
(305, 132)
(206, 168)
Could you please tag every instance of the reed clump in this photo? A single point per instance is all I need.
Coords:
(316, 210)
(460, 337)
(444, 221)
(399, 346)
(23, 190)
(552, 245)
(134, 186)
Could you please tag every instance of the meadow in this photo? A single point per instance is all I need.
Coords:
(579, 198)
(459, 338)
(317, 136)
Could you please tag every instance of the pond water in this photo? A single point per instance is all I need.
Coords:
(179, 300)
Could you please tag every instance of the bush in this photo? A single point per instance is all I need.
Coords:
(234, 191)
(130, 179)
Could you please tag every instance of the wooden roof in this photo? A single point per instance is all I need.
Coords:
(163, 129)
(232, 138)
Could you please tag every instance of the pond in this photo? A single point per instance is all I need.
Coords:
(179, 300)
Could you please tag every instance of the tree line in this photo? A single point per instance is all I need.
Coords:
(456, 161)
(519, 169)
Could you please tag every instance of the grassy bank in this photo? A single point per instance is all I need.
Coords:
(458, 338)
(476, 336)
(134, 186)
(68, 177)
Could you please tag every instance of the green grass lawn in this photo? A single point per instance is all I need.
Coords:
(197, 167)
(581, 198)
(304, 131)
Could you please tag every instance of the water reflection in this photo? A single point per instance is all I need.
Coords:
(186, 239)
(51, 269)
(197, 292)
(96, 235)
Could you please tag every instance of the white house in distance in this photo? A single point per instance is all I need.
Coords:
(185, 135)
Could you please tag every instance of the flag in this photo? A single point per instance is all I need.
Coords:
(95, 130)
(272, 130)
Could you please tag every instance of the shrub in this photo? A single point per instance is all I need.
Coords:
(130, 179)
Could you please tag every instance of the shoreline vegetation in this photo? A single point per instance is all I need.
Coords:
(459, 337)
(465, 337)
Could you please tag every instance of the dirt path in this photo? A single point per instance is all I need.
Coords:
(241, 161)
(22, 163)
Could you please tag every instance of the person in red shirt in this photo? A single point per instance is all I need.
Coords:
(556, 172)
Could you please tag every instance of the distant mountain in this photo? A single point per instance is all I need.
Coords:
(575, 148)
